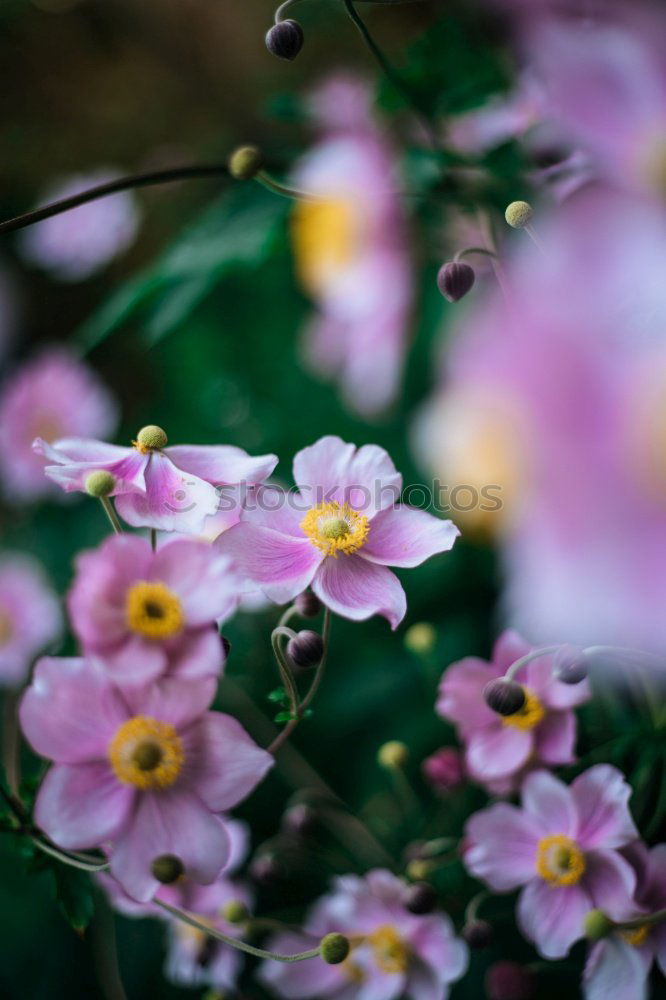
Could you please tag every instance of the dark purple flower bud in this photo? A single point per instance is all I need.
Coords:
(306, 649)
(307, 604)
(455, 280)
(509, 981)
(265, 869)
(285, 39)
(570, 665)
(300, 819)
(504, 697)
(478, 934)
(444, 770)
(420, 898)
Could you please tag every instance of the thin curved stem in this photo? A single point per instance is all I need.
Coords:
(472, 908)
(67, 859)
(277, 187)
(282, 737)
(249, 949)
(283, 8)
(483, 250)
(113, 187)
(524, 660)
(658, 917)
(110, 512)
(283, 666)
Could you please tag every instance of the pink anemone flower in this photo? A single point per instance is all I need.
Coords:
(338, 533)
(562, 847)
(169, 489)
(498, 747)
(394, 953)
(143, 771)
(146, 614)
(30, 616)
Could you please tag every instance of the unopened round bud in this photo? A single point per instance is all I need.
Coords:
(504, 697)
(509, 981)
(420, 898)
(265, 869)
(518, 214)
(478, 934)
(444, 770)
(245, 162)
(235, 912)
(307, 604)
(167, 868)
(570, 665)
(285, 39)
(418, 869)
(300, 819)
(393, 755)
(334, 948)
(597, 925)
(455, 279)
(152, 437)
(421, 638)
(306, 649)
(100, 484)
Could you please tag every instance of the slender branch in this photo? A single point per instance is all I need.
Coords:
(110, 512)
(282, 737)
(658, 917)
(524, 660)
(67, 859)
(483, 250)
(249, 949)
(277, 187)
(105, 950)
(113, 187)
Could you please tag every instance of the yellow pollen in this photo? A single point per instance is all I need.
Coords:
(146, 753)
(529, 716)
(336, 528)
(390, 952)
(637, 937)
(153, 611)
(560, 861)
(6, 628)
(325, 237)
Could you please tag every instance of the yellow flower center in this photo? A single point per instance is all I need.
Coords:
(637, 937)
(529, 716)
(153, 611)
(325, 240)
(390, 952)
(146, 753)
(560, 861)
(6, 628)
(335, 528)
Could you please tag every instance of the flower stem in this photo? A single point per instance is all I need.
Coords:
(110, 512)
(249, 949)
(67, 859)
(113, 187)
(524, 660)
(658, 917)
(474, 905)
(483, 250)
(277, 187)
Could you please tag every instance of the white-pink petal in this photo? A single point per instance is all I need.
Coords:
(355, 588)
(405, 536)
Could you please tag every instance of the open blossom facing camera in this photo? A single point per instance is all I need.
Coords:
(52, 396)
(351, 249)
(30, 616)
(338, 533)
(171, 489)
(562, 846)
(144, 770)
(394, 953)
(148, 613)
(499, 747)
(619, 965)
(74, 245)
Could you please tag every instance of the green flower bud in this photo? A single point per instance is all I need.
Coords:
(235, 912)
(597, 925)
(518, 214)
(421, 638)
(334, 948)
(100, 484)
(167, 868)
(151, 438)
(245, 162)
(393, 755)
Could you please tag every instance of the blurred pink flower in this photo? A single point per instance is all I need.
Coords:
(170, 489)
(619, 965)
(498, 748)
(444, 770)
(145, 770)
(351, 250)
(53, 395)
(394, 952)
(562, 847)
(30, 616)
(75, 244)
(338, 533)
(146, 614)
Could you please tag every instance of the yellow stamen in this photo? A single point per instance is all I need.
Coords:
(529, 716)
(325, 237)
(336, 528)
(390, 952)
(153, 611)
(560, 861)
(146, 753)
(637, 937)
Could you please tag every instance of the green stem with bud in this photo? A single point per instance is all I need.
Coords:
(68, 859)
(110, 512)
(658, 917)
(524, 660)
(468, 250)
(249, 949)
(277, 187)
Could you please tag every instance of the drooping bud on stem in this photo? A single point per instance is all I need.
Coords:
(503, 696)
(307, 604)
(570, 665)
(285, 39)
(597, 925)
(478, 933)
(420, 898)
(245, 162)
(100, 484)
(306, 649)
(167, 868)
(455, 279)
(334, 948)
(518, 214)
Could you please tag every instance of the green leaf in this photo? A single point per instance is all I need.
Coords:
(279, 695)
(283, 717)
(74, 895)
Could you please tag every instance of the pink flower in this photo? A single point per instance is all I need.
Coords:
(74, 245)
(337, 533)
(394, 952)
(172, 489)
(620, 964)
(444, 770)
(351, 252)
(30, 616)
(145, 613)
(498, 748)
(562, 846)
(52, 396)
(143, 770)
